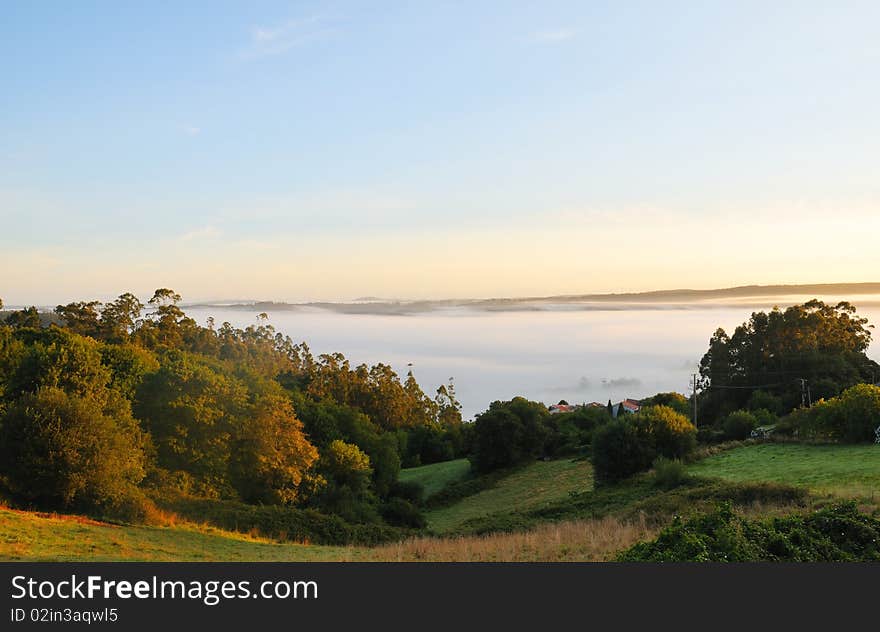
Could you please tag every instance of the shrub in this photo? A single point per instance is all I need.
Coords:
(855, 414)
(280, 521)
(400, 513)
(738, 425)
(836, 534)
(671, 433)
(630, 445)
(409, 491)
(709, 436)
(619, 451)
(669, 473)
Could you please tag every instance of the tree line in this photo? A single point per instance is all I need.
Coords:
(113, 404)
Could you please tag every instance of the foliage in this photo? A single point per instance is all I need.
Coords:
(739, 425)
(408, 490)
(402, 513)
(840, 533)
(822, 344)
(671, 433)
(227, 413)
(629, 445)
(281, 522)
(509, 433)
(676, 401)
(28, 318)
(851, 417)
(63, 450)
(762, 400)
(619, 451)
(669, 473)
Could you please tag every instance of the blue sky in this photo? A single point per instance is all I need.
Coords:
(288, 150)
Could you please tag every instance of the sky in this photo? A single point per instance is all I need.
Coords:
(334, 150)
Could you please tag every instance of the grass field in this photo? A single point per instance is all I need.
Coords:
(843, 470)
(546, 511)
(33, 536)
(436, 476)
(41, 537)
(541, 483)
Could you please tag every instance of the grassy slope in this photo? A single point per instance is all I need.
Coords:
(550, 508)
(845, 470)
(35, 537)
(541, 483)
(436, 476)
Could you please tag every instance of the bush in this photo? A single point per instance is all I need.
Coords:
(281, 522)
(853, 416)
(837, 534)
(619, 451)
(709, 436)
(408, 490)
(669, 473)
(671, 433)
(400, 513)
(630, 445)
(738, 425)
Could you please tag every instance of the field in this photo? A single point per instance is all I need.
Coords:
(43, 537)
(841, 470)
(436, 476)
(546, 511)
(541, 483)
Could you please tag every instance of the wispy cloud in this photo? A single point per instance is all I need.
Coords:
(267, 41)
(205, 232)
(191, 130)
(554, 35)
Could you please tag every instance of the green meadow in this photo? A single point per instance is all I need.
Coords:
(842, 470)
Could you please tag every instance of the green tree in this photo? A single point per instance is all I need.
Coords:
(192, 409)
(509, 433)
(62, 450)
(81, 317)
(773, 351)
(619, 451)
(121, 318)
(24, 318)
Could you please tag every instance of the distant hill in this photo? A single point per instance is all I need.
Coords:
(628, 300)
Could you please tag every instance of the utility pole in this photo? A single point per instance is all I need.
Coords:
(695, 400)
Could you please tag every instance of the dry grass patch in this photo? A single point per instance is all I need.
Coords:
(575, 541)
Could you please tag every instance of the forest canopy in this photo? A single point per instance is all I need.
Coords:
(104, 406)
